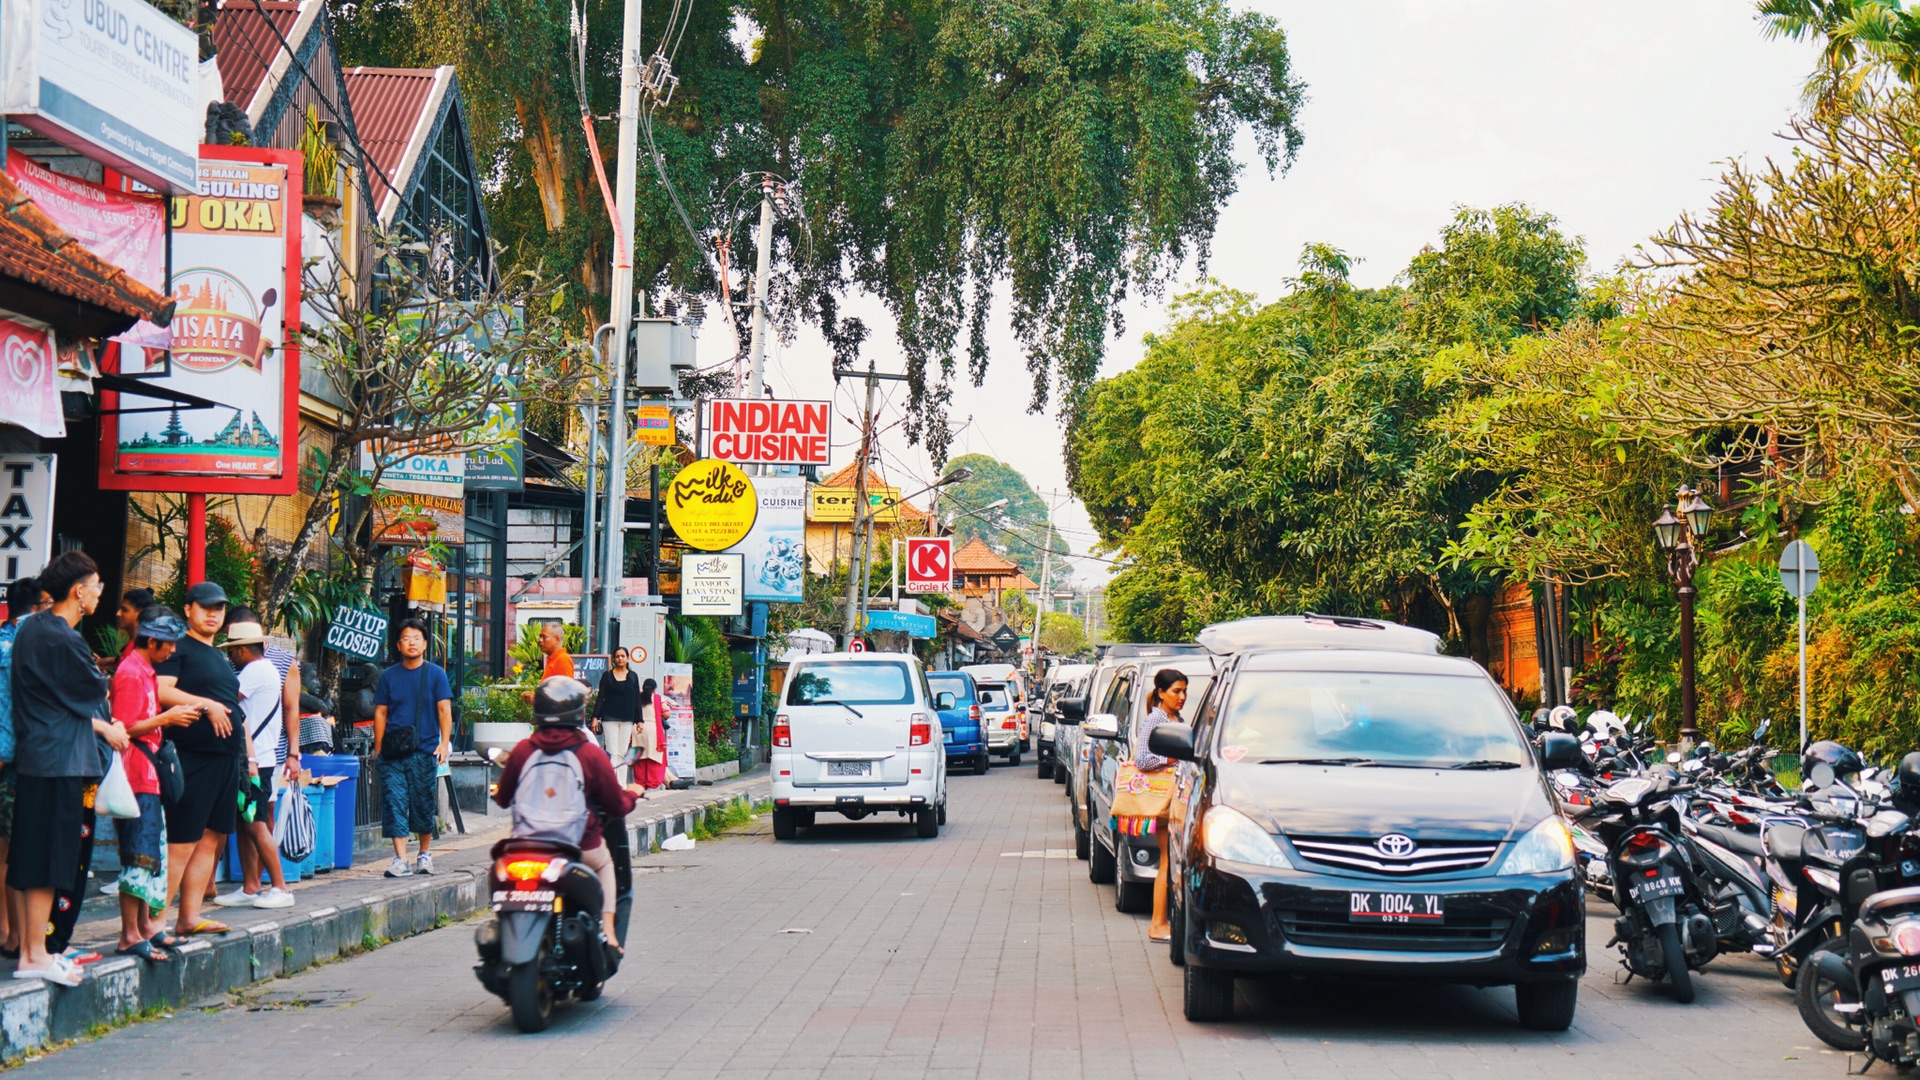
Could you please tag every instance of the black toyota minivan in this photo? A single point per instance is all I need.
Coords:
(1352, 803)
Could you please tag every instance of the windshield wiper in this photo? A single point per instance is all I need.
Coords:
(842, 704)
(1486, 763)
(1354, 761)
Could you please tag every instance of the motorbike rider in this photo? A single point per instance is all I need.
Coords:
(559, 716)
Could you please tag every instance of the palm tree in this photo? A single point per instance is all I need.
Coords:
(1858, 37)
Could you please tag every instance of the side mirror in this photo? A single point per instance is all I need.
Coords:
(1172, 741)
(943, 700)
(1559, 751)
(1101, 726)
(1073, 709)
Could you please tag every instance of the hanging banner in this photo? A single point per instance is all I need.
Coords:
(236, 277)
(776, 547)
(118, 81)
(26, 518)
(711, 505)
(413, 468)
(359, 633)
(745, 431)
(676, 685)
(29, 392)
(502, 467)
(710, 583)
(125, 229)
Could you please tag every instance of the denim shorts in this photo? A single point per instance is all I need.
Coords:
(408, 802)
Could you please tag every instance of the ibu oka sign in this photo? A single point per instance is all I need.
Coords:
(749, 432)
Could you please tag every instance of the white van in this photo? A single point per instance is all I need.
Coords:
(858, 734)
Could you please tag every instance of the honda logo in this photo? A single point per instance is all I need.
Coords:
(1395, 846)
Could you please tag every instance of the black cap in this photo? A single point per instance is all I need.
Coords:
(207, 594)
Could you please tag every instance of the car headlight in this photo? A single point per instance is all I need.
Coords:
(1547, 848)
(1231, 835)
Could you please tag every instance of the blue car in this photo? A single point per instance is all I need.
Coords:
(965, 739)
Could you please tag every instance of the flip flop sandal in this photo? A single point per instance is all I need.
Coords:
(165, 940)
(81, 957)
(209, 926)
(148, 951)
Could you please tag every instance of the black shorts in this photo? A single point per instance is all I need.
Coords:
(48, 827)
(211, 801)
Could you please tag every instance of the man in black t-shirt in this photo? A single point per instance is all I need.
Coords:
(212, 750)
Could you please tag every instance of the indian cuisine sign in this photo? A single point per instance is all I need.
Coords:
(767, 432)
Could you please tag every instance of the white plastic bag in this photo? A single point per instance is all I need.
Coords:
(295, 831)
(115, 795)
(677, 842)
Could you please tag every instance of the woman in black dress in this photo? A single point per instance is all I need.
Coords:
(616, 708)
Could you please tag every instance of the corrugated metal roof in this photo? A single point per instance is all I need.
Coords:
(392, 107)
(246, 44)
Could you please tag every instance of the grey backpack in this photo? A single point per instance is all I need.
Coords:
(551, 801)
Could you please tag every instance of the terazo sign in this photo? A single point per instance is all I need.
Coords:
(748, 432)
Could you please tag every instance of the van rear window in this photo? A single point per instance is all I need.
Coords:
(853, 683)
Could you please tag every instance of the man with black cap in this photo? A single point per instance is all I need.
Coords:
(212, 750)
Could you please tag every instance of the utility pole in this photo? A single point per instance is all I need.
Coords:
(614, 566)
(1046, 566)
(757, 352)
(858, 569)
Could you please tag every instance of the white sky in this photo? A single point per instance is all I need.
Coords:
(1612, 117)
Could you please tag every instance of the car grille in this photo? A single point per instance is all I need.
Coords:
(1461, 934)
(1427, 856)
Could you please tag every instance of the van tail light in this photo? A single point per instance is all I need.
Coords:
(921, 733)
(782, 731)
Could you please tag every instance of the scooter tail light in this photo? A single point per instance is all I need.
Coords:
(1643, 841)
(1906, 938)
(526, 869)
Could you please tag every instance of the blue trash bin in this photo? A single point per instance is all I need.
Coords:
(322, 800)
(348, 766)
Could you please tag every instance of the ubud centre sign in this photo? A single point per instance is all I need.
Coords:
(711, 504)
(767, 432)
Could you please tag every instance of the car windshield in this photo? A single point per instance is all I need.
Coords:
(1370, 718)
(852, 683)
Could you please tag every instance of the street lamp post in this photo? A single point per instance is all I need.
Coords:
(1683, 536)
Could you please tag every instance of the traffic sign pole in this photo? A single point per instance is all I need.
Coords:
(1800, 575)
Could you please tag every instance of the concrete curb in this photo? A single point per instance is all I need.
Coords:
(35, 1015)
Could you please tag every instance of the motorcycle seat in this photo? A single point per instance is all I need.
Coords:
(1733, 840)
(1784, 842)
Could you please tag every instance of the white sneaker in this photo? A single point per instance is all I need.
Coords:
(399, 868)
(273, 898)
(423, 864)
(236, 898)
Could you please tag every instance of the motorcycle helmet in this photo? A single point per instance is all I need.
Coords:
(1605, 724)
(1906, 784)
(1841, 761)
(560, 702)
(1540, 717)
(1563, 718)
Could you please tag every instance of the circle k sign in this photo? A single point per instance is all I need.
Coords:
(930, 565)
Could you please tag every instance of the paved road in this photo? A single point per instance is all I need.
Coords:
(984, 953)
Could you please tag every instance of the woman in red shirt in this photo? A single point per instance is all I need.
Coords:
(143, 840)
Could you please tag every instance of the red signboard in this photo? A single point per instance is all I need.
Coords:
(930, 565)
(769, 432)
(236, 278)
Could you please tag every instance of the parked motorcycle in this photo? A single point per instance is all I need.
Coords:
(1665, 929)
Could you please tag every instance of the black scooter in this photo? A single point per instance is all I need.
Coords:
(1664, 929)
(543, 944)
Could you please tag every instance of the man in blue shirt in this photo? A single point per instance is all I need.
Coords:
(412, 735)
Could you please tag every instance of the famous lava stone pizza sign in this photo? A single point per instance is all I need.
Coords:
(711, 504)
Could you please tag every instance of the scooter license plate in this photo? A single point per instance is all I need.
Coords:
(529, 900)
(1655, 888)
(1899, 978)
(1390, 907)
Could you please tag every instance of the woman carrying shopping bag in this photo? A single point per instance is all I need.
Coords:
(1143, 790)
(616, 708)
(650, 739)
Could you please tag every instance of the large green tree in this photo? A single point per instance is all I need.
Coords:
(1018, 530)
(1295, 456)
(1071, 151)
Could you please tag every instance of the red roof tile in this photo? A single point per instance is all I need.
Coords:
(975, 557)
(35, 250)
(390, 108)
(247, 45)
(845, 479)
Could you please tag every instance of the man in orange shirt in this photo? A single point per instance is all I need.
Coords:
(553, 642)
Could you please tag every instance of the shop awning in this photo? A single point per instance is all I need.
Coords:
(46, 274)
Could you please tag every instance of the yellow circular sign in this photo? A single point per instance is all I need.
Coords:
(711, 504)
